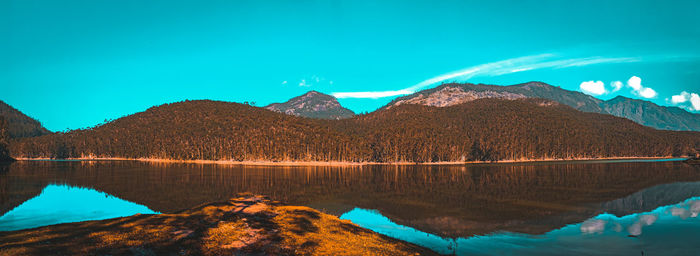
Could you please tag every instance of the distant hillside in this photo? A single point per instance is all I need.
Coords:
(313, 104)
(484, 129)
(4, 151)
(650, 114)
(19, 124)
(199, 129)
(455, 93)
(642, 112)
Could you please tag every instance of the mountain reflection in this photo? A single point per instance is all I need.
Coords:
(62, 203)
(674, 229)
(449, 201)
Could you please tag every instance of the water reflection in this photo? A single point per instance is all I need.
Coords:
(372, 219)
(449, 201)
(62, 203)
(667, 230)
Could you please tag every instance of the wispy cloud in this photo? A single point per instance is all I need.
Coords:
(313, 80)
(616, 86)
(509, 66)
(371, 95)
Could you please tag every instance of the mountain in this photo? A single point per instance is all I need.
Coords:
(642, 112)
(483, 129)
(19, 124)
(650, 114)
(313, 104)
(455, 93)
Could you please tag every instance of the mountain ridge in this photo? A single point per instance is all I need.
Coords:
(641, 111)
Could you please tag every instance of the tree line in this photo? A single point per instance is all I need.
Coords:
(481, 130)
(4, 151)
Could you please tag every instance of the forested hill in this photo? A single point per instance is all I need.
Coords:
(20, 125)
(201, 129)
(483, 129)
(4, 154)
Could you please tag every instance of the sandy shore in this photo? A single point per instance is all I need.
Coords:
(338, 163)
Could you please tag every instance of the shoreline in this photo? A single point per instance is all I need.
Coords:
(243, 225)
(339, 163)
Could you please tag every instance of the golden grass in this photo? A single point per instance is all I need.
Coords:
(311, 233)
(244, 225)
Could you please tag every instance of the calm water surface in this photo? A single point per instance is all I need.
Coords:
(585, 208)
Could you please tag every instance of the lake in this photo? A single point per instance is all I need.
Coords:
(548, 208)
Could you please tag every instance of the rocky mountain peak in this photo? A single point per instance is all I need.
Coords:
(640, 111)
(313, 104)
(453, 94)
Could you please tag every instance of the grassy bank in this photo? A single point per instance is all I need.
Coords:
(243, 225)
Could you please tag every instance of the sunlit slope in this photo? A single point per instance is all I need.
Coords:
(482, 130)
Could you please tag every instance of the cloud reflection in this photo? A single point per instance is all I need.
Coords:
(605, 234)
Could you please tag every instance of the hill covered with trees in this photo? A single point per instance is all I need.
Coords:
(4, 152)
(20, 125)
(479, 130)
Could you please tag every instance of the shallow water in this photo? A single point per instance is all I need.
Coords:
(589, 207)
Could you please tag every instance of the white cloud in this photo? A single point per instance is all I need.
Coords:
(695, 101)
(680, 98)
(637, 88)
(648, 93)
(635, 82)
(616, 85)
(284, 82)
(685, 97)
(593, 87)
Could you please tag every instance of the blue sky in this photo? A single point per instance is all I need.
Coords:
(73, 64)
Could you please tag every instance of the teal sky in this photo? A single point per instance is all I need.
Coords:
(72, 64)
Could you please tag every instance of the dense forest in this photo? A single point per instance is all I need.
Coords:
(480, 130)
(4, 153)
(20, 125)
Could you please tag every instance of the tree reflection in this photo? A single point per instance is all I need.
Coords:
(445, 200)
